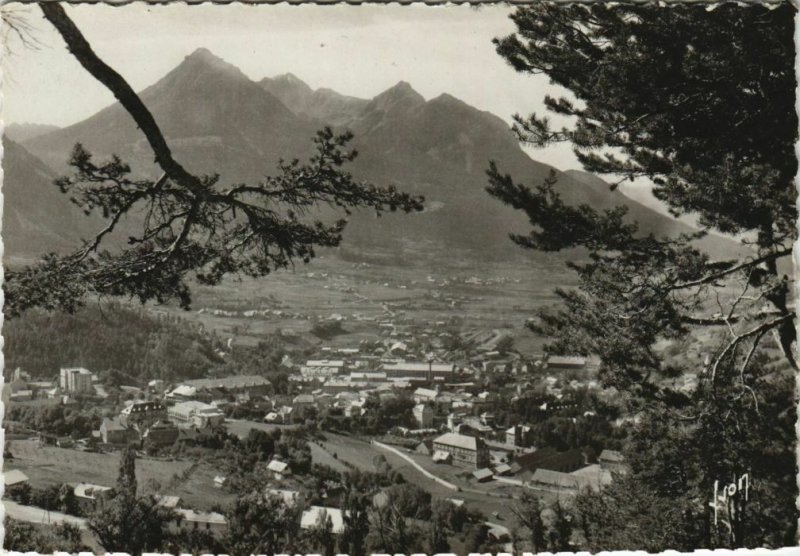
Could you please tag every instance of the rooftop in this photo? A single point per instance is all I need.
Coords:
(168, 501)
(88, 490)
(184, 390)
(201, 517)
(289, 497)
(426, 392)
(192, 405)
(611, 456)
(142, 407)
(593, 476)
(502, 468)
(14, 477)
(278, 466)
(418, 367)
(324, 363)
(484, 473)
(457, 441)
(243, 381)
(554, 478)
(566, 360)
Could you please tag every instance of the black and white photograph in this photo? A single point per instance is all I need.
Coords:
(374, 279)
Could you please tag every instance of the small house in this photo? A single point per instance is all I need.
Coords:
(190, 520)
(113, 431)
(279, 469)
(14, 479)
(87, 495)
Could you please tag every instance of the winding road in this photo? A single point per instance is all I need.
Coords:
(32, 514)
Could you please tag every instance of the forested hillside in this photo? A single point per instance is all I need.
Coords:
(133, 341)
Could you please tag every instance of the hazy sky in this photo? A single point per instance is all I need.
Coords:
(355, 50)
(359, 51)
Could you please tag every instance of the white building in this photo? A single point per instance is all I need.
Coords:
(191, 520)
(196, 414)
(423, 414)
(419, 372)
(422, 395)
(566, 362)
(463, 449)
(315, 515)
(290, 497)
(279, 469)
(86, 495)
(322, 368)
(14, 477)
(76, 380)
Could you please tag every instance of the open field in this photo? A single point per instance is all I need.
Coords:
(198, 491)
(356, 452)
(241, 427)
(321, 456)
(504, 297)
(47, 465)
(486, 498)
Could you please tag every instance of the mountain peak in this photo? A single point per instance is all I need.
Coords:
(400, 96)
(204, 58)
(447, 98)
(205, 55)
(403, 88)
(290, 78)
(286, 82)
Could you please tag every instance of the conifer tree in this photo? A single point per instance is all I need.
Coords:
(126, 522)
(699, 101)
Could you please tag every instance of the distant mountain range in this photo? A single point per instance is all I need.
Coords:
(37, 218)
(25, 131)
(217, 120)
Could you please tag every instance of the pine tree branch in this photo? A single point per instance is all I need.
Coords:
(105, 74)
(757, 331)
(748, 263)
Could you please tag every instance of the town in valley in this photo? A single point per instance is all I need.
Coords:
(366, 279)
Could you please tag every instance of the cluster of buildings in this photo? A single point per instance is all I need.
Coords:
(138, 421)
(540, 469)
(359, 371)
(72, 381)
(192, 404)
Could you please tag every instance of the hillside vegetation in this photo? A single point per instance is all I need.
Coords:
(109, 337)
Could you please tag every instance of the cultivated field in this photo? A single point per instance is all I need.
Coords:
(505, 297)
